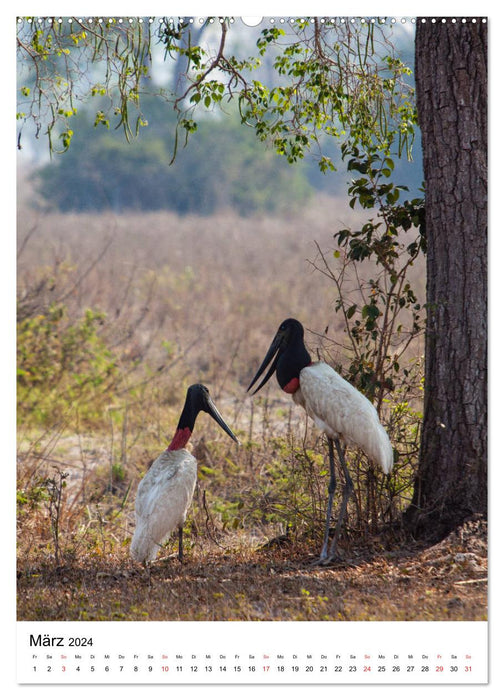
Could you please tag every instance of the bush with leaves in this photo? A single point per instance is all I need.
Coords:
(63, 365)
(382, 318)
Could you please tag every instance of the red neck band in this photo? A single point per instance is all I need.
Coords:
(180, 439)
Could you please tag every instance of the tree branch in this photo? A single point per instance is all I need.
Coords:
(213, 65)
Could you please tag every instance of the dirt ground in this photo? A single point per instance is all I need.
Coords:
(445, 581)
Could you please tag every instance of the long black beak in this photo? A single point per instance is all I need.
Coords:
(211, 408)
(273, 348)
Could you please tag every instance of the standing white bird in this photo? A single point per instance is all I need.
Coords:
(166, 491)
(336, 407)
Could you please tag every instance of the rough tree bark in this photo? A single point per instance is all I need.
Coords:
(451, 77)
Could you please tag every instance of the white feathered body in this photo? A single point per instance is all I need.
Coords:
(342, 412)
(163, 497)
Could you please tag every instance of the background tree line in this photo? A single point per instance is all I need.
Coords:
(225, 168)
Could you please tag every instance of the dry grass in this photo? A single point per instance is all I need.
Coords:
(216, 288)
(235, 582)
(193, 299)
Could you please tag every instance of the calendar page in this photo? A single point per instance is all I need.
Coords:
(248, 652)
(251, 350)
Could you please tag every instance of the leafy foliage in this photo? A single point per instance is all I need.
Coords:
(312, 83)
(327, 79)
(332, 85)
(327, 82)
(61, 362)
(382, 316)
(54, 52)
(377, 324)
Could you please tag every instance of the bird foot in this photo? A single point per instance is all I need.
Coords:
(333, 558)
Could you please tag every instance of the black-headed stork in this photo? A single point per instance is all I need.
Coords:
(337, 408)
(165, 492)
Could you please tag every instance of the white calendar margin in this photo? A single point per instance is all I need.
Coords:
(257, 644)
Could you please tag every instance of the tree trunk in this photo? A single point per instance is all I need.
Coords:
(451, 77)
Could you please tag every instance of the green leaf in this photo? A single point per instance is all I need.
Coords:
(351, 311)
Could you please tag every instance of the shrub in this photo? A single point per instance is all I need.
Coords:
(62, 365)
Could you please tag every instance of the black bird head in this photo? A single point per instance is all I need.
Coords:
(288, 356)
(197, 399)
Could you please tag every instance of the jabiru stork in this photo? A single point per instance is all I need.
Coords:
(165, 492)
(337, 408)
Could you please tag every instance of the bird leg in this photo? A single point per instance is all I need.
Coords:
(347, 491)
(331, 490)
(148, 571)
(180, 545)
